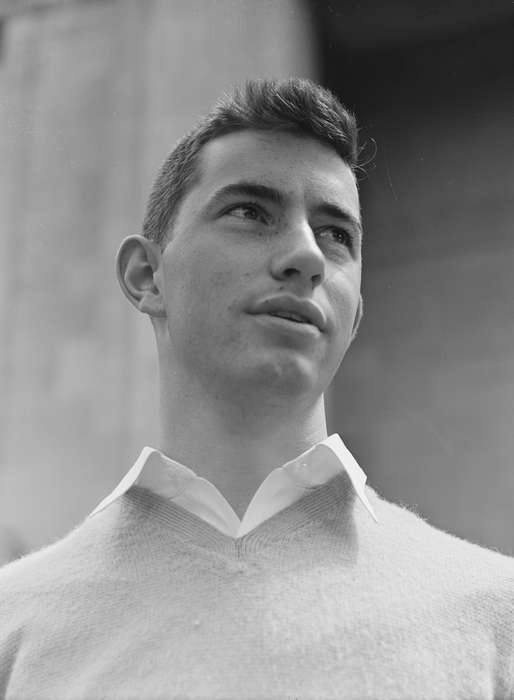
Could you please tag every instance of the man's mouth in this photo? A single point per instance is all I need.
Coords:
(292, 308)
(289, 316)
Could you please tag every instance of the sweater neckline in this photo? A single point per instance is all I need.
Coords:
(327, 506)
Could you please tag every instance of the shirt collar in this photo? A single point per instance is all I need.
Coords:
(170, 479)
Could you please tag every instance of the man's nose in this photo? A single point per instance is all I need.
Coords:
(298, 256)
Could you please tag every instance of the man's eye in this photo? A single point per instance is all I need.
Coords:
(337, 235)
(250, 212)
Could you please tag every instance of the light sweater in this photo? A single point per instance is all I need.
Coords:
(145, 599)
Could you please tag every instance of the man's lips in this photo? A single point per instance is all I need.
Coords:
(305, 309)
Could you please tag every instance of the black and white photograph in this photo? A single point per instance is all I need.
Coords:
(256, 350)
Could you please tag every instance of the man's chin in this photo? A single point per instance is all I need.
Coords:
(287, 374)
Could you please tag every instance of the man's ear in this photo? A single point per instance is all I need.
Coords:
(138, 264)
(358, 317)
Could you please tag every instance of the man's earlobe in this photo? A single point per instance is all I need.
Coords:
(358, 317)
(138, 266)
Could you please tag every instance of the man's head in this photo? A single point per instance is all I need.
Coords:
(254, 215)
(296, 106)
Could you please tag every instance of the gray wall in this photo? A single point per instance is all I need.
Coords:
(426, 396)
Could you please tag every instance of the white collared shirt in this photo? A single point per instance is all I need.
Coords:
(283, 486)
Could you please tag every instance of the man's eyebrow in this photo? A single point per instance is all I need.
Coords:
(248, 189)
(336, 212)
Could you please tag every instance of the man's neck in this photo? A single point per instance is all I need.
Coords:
(236, 447)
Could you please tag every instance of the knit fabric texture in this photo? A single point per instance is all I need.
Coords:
(146, 600)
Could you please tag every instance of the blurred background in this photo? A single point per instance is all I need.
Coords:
(93, 95)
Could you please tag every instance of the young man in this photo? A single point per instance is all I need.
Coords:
(304, 582)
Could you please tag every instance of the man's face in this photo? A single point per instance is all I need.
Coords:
(271, 228)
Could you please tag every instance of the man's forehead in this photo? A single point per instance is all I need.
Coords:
(248, 142)
(276, 159)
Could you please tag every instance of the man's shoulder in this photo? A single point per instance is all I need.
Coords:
(27, 585)
(443, 572)
(97, 547)
(33, 573)
(404, 525)
(44, 572)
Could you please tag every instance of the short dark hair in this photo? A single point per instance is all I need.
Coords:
(297, 106)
